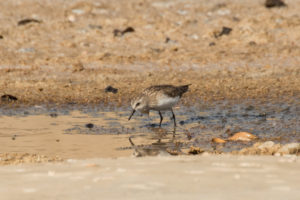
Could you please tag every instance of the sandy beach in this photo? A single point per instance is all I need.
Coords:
(69, 69)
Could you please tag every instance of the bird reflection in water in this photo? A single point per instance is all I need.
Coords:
(163, 145)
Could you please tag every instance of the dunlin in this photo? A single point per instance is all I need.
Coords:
(158, 98)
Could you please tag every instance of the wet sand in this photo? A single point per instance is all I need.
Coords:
(40, 134)
(45, 135)
(205, 177)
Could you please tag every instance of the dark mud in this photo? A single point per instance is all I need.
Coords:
(196, 125)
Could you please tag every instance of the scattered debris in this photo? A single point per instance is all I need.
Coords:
(92, 26)
(242, 136)
(249, 108)
(265, 145)
(18, 158)
(14, 137)
(128, 30)
(119, 33)
(27, 21)
(8, 98)
(167, 40)
(188, 134)
(225, 31)
(270, 148)
(111, 89)
(26, 50)
(274, 3)
(195, 150)
(92, 165)
(170, 41)
(218, 140)
(89, 125)
(212, 44)
(53, 115)
(252, 43)
(78, 67)
(173, 152)
(71, 18)
(292, 148)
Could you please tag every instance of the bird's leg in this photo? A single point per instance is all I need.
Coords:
(174, 133)
(161, 118)
(174, 119)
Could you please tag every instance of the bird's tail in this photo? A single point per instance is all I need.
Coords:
(183, 89)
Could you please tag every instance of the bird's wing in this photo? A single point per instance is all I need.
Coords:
(169, 90)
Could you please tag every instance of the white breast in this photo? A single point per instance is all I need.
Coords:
(165, 102)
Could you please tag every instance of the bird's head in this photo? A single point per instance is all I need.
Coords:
(139, 104)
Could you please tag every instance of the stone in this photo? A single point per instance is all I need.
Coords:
(195, 150)
(78, 67)
(27, 21)
(225, 31)
(119, 33)
(111, 89)
(267, 144)
(89, 125)
(242, 136)
(218, 140)
(292, 148)
(274, 3)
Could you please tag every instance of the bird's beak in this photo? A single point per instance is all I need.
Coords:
(133, 111)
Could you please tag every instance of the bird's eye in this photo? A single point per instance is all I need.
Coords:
(137, 104)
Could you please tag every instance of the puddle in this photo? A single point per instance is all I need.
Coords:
(84, 132)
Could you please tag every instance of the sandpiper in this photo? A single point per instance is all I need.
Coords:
(158, 98)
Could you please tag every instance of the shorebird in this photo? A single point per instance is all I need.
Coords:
(158, 98)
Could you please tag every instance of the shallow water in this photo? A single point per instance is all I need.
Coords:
(85, 131)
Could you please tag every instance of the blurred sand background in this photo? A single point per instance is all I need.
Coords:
(71, 50)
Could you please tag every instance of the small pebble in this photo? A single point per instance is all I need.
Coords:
(27, 21)
(92, 26)
(111, 89)
(78, 67)
(218, 140)
(119, 33)
(292, 148)
(167, 40)
(195, 150)
(242, 136)
(252, 43)
(267, 144)
(89, 125)
(225, 31)
(274, 3)
(53, 115)
(128, 30)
